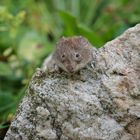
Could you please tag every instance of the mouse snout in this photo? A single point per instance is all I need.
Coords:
(70, 68)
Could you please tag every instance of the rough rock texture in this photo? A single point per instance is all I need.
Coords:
(101, 102)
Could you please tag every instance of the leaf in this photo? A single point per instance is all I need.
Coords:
(5, 70)
(90, 35)
(69, 22)
(3, 126)
(6, 101)
(31, 47)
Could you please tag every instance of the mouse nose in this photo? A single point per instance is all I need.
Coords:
(70, 68)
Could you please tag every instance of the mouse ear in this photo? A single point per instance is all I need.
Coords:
(83, 40)
(63, 38)
(60, 41)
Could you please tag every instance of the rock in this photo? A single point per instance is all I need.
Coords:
(101, 102)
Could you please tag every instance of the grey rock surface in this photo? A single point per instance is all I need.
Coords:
(101, 102)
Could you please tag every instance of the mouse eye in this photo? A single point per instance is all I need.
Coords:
(63, 56)
(77, 55)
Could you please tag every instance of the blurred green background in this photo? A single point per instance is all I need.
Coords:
(30, 28)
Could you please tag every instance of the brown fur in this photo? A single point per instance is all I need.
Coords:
(72, 53)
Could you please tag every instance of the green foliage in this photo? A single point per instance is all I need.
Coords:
(30, 28)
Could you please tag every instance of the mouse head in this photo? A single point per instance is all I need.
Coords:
(72, 53)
